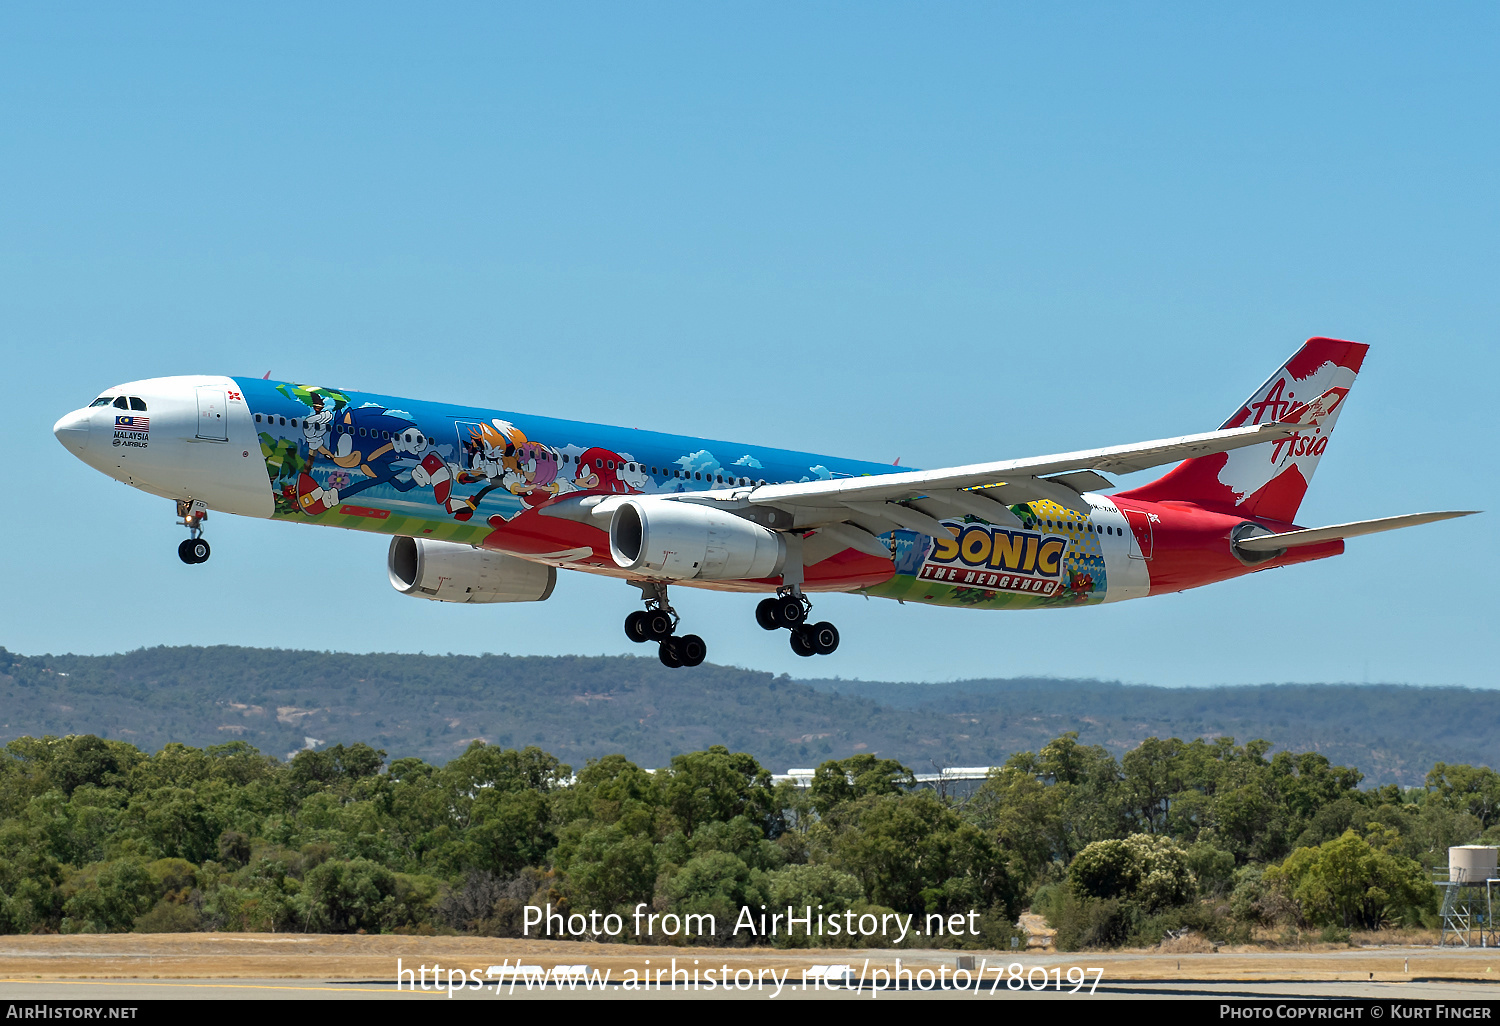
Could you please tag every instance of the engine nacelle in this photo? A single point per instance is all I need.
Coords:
(450, 572)
(686, 541)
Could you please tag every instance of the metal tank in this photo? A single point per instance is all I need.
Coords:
(1469, 896)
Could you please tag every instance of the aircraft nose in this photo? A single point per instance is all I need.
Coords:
(73, 431)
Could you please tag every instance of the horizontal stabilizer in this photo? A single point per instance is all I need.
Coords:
(1312, 536)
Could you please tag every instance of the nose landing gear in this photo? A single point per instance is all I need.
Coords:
(193, 549)
(790, 609)
(658, 623)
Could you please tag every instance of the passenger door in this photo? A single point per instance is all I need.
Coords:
(212, 424)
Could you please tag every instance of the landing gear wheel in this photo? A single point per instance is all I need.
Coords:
(802, 641)
(692, 649)
(635, 627)
(670, 653)
(657, 624)
(825, 637)
(789, 611)
(193, 550)
(767, 613)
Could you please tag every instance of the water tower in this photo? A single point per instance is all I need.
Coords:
(1468, 896)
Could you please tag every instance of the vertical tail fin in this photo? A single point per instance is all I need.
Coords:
(1270, 480)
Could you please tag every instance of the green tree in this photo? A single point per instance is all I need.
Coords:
(1149, 870)
(1043, 808)
(611, 871)
(913, 853)
(1350, 883)
(614, 790)
(716, 785)
(347, 896)
(843, 780)
(715, 884)
(107, 897)
(1471, 789)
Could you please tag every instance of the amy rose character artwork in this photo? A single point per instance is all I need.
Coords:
(539, 472)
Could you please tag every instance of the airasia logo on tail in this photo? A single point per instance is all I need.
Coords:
(1279, 405)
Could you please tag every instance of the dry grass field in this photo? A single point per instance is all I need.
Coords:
(374, 958)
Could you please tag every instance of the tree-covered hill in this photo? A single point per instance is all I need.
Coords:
(1392, 732)
(586, 707)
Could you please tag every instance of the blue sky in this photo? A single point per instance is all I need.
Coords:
(940, 232)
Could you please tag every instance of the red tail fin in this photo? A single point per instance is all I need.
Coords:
(1270, 480)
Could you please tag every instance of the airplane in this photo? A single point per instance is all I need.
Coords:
(486, 506)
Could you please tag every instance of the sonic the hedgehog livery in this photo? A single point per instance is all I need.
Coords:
(485, 505)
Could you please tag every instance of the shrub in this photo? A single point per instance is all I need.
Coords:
(1348, 883)
(1148, 870)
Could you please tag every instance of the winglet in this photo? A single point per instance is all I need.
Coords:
(266, 376)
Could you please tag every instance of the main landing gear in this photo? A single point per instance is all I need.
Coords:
(658, 623)
(193, 549)
(790, 609)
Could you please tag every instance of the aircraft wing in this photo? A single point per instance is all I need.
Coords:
(858, 508)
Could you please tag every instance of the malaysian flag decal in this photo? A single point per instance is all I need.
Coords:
(132, 423)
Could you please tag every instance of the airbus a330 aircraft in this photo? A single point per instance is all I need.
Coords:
(485, 505)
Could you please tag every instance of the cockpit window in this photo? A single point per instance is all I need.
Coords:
(122, 404)
(103, 400)
(137, 404)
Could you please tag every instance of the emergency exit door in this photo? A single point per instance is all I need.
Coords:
(1140, 533)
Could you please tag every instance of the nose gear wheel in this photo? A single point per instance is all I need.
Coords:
(194, 549)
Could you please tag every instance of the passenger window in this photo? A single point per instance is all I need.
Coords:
(294, 422)
(137, 404)
(283, 422)
(121, 404)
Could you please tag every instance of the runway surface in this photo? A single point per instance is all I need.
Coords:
(125, 991)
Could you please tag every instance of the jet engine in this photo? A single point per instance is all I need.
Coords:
(686, 541)
(450, 572)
